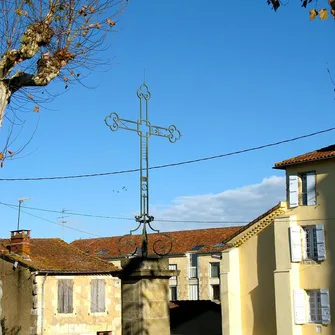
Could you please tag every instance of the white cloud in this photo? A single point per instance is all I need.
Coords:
(240, 204)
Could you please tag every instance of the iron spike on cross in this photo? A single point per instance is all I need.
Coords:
(144, 129)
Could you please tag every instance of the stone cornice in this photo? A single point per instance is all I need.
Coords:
(257, 226)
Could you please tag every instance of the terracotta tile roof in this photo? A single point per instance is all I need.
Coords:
(200, 240)
(55, 255)
(320, 154)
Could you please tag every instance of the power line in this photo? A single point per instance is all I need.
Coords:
(156, 220)
(58, 224)
(173, 164)
(122, 218)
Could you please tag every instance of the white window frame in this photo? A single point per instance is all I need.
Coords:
(193, 270)
(210, 269)
(302, 189)
(193, 292)
(314, 306)
(307, 243)
(311, 306)
(173, 267)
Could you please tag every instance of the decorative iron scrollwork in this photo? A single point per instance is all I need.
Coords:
(143, 92)
(163, 245)
(174, 134)
(112, 121)
(127, 245)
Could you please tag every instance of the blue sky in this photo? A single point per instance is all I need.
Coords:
(228, 76)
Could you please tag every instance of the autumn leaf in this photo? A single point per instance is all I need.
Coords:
(30, 96)
(72, 73)
(2, 155)
(66, 79)
(63, 63)
(313, 14)
(37, 109)
(110, 22)
(323, 14)
(46, 55)
(333, 12)
(11, 153)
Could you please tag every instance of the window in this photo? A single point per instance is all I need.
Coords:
(311, 251)
(215, 270)
(301, 189)
(307, 243)
(314, 306)
(193, 269)
(173, 293)
(193, 292)
(311, 306)
(97, 295)
(173, 267)
(215, 292)
(65, 296)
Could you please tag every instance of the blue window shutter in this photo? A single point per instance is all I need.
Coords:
(311, 196)
(320, 242)
(325, 306)
(295, 241)
(299, 309)
(293, 190)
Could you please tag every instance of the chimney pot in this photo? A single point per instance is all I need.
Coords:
(20, 242)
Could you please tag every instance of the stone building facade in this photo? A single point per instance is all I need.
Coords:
(50, 287)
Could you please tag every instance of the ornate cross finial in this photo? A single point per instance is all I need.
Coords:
(128, 246)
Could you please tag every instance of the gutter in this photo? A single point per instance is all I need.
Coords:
(42, 307)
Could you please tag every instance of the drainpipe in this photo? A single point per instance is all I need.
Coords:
(42, 307)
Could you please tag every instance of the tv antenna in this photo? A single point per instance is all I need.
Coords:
(21, 200)
(62, 220)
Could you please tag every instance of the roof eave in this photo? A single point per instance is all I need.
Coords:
(284, 166)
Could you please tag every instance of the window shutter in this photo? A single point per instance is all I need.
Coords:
(101, 295)
(60, 296)
(293, 191)
(94, 294)
(311, 196)
(68, 297)
(325, 306)
(295, 240)
(299, 307)
(320, 242)
(193, 292)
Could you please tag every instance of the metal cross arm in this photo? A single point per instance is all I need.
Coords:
(114, 122)
(144, 129)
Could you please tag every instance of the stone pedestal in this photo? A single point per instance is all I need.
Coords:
(145, 296)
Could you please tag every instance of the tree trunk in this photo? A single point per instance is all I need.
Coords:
(4, 97)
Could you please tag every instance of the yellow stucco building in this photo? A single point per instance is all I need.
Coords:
(278, 274)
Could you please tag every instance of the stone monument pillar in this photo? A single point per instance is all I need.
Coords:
(145, 296)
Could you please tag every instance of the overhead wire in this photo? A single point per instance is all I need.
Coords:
(242, 222)
(56, 223)
(174, 164)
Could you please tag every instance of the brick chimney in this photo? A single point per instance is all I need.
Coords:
(20, 242)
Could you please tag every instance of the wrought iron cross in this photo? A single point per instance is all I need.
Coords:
(144, 129)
